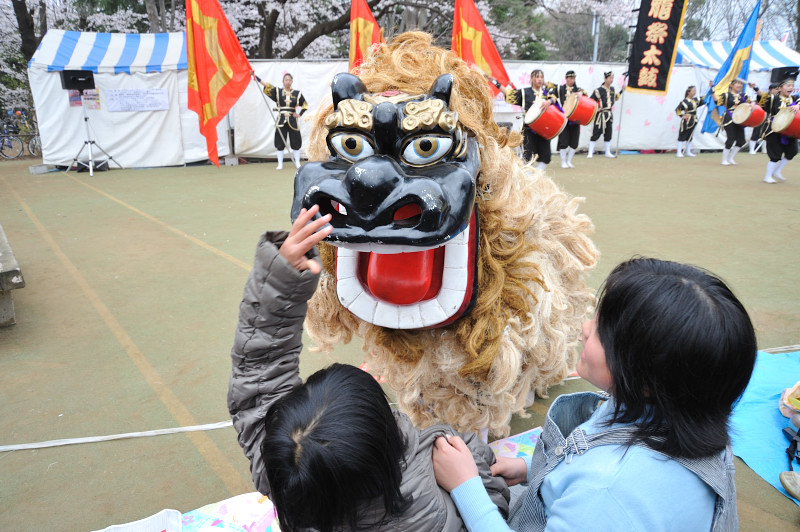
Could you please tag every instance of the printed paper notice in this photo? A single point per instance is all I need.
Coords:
(91, 99)
(127, 100)
(74, 98)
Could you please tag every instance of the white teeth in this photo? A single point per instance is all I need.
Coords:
(454, 278)
(432, 312)
(386, 315)
(450, 300)
(457, 255)
(341, 209)
(364, 305)
(346, 269)
(409, 317)
(348, 289)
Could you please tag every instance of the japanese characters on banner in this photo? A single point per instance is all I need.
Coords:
(655, 45)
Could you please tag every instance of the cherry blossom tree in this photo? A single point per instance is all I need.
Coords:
(612, 12)
(724, 19)
(277, 28)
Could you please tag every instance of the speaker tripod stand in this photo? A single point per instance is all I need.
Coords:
(89, 143)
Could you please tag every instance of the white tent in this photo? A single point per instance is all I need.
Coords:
(765, 55)
(142, 120)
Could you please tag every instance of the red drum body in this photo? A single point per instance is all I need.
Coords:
(580, 108)
(547, 123)
(787, 123)
(747, 115)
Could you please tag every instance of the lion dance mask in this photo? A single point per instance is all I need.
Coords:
(461, 268)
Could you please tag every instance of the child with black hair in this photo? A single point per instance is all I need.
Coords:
(330, 452)
(675, 349)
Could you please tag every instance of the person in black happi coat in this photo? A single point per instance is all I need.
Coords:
(687, 111)
(780, 148)
(734, 132)
(606, 96)
(569, 138)
(533, 144)
(288, 101)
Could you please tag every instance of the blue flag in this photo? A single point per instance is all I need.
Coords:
(737, 65)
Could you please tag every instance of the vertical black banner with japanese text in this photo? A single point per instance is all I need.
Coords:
(655, 45)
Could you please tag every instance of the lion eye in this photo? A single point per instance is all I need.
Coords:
(352, 146)
(426, 149)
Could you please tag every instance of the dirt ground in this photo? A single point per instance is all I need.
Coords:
(133, 279)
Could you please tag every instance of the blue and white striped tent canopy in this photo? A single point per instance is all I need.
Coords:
(766, 55)
(112, 53)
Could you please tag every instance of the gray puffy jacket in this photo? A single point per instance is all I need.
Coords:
(265, 366)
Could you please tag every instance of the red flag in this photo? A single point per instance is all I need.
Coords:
(364, 32)
(472, 42)
(218, 69)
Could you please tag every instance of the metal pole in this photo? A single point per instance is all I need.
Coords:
(89, 140)
(595, 34)
(622, 103)
(621, 114)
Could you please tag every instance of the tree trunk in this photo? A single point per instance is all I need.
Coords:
(163, 12)
(27, 29)
(797, 27)
(152, 15)
(172, 17)
(42, 18)
(267, 32)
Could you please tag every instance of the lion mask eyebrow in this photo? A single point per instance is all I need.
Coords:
(419, 115)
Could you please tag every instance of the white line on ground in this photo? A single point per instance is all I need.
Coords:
(94, 439)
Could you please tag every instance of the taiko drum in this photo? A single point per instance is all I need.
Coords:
(787, 122)
(580, 108)
(747, 115)
(547, 122)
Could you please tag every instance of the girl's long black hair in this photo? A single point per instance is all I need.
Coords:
(680, 348)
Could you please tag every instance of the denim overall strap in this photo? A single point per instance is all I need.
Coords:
(565, 414)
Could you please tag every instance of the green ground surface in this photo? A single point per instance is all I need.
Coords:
(133, 279)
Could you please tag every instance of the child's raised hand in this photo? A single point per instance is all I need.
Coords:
(304, 235)
(453, 463)
(513, 470)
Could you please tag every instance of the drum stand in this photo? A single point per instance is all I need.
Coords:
(89, 143)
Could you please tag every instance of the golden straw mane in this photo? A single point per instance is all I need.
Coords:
(534, 254)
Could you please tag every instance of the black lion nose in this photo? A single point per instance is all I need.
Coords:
(370, 183)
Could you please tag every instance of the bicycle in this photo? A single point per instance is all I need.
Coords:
(10, 144)
(31, 131)
(35, 145)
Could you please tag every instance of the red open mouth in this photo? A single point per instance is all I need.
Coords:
(410, 290)
(403, 278)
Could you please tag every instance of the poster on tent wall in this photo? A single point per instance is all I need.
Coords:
(654, 45)
(127, 100)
